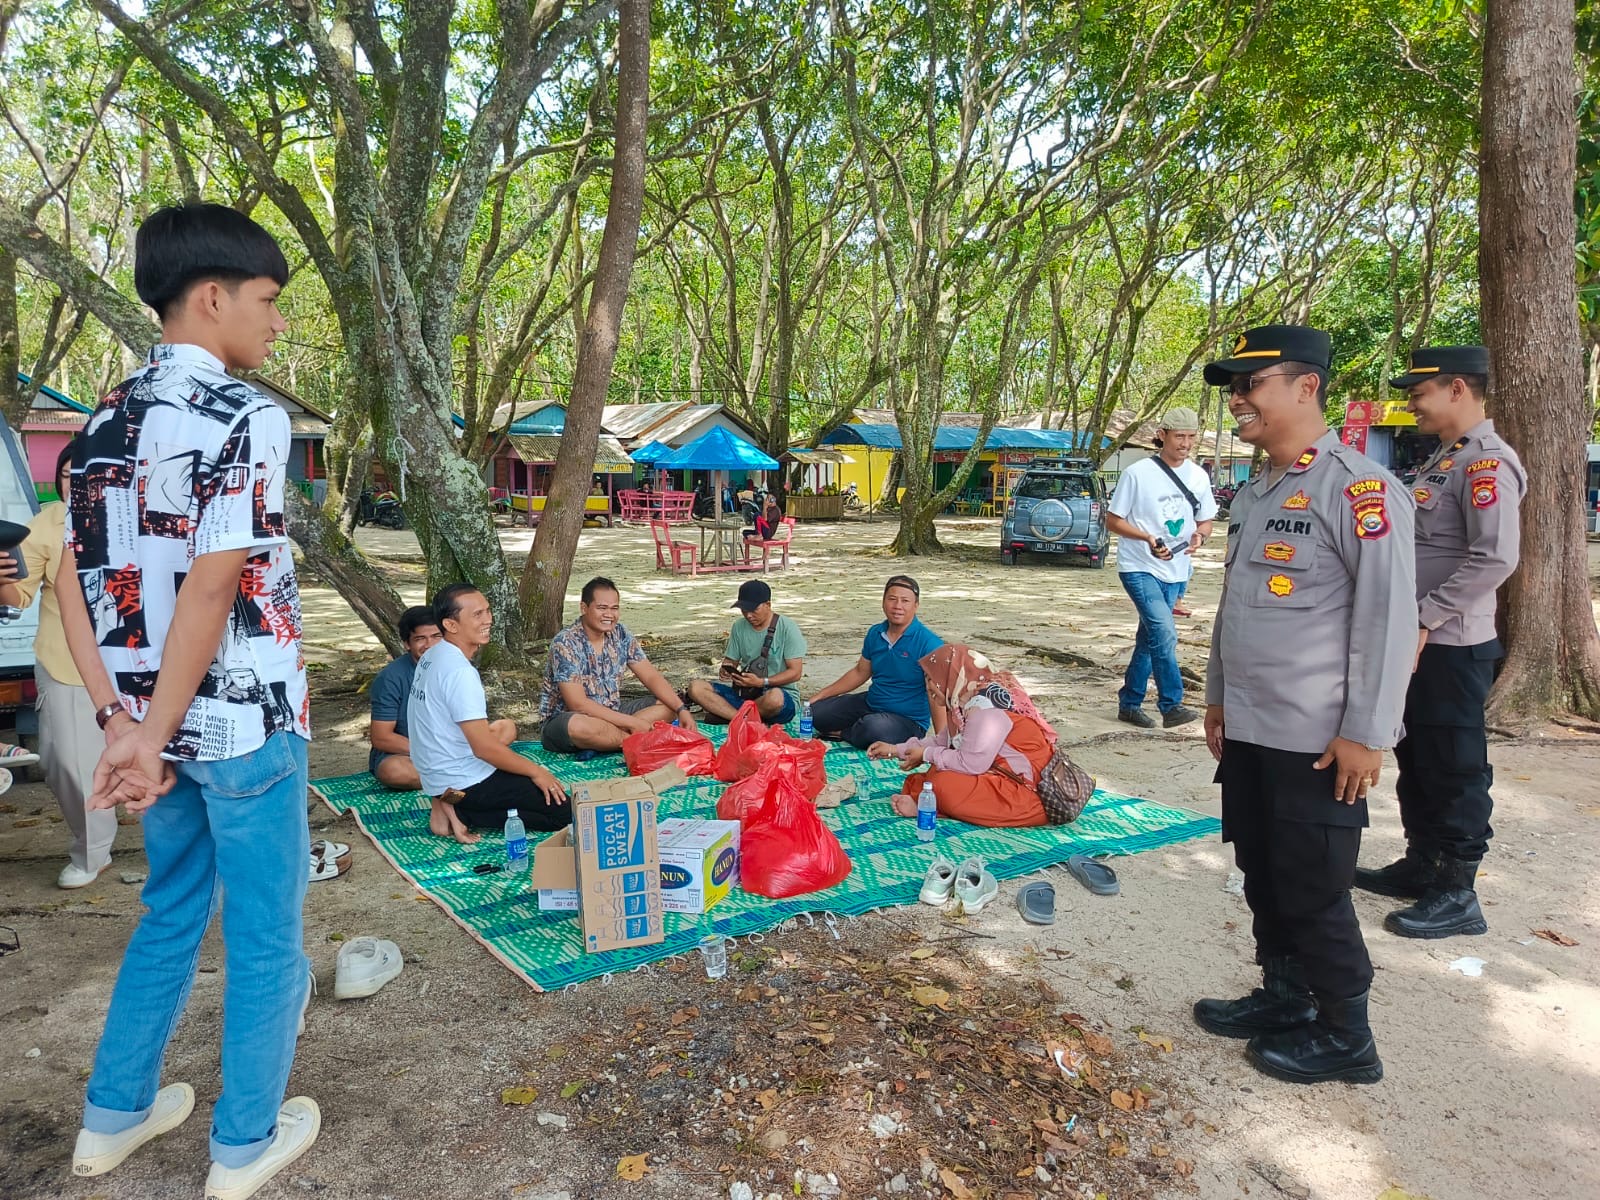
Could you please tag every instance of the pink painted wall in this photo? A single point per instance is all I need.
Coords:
(42, 451)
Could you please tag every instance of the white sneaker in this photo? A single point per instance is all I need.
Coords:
(299, 1121)
(975, 886)
(97, 1153)
(938, 882)
(74, 876)
(365, 965)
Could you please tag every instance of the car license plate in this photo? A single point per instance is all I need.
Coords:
(1050, 547)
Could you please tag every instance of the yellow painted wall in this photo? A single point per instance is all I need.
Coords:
(856, 472)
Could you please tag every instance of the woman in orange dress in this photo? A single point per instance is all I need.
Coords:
(985, 765)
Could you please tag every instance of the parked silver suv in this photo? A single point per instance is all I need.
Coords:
(1058, 507)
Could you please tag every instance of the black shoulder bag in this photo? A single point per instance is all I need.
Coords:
(759, 665)
(1194, 501)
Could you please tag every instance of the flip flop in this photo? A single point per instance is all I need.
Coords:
(1036, 902)
(325, 866)
(1094, 875)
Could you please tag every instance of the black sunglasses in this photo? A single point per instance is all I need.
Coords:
(1243, 385)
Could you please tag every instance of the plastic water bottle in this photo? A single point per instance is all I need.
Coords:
(927, 814)
(806, 727)
(516, 844)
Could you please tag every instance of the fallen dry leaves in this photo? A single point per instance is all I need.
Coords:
(955, 1184)
(519, 1095)
(633, 1167)
(1558, 939)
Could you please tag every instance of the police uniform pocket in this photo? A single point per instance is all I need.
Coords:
(1429, 490)
(1282, 572)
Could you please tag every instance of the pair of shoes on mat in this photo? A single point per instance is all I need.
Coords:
(329, 860)
(365, 965)
(973, 885)
(299, 1121)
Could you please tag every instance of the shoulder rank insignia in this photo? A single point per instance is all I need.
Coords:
(1280, 585)
(1484, 492)
(1305, 460)
(1367, 502)
(1484, 464)
(1298, 502)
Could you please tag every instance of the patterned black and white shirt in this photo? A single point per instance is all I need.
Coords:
(181, 460)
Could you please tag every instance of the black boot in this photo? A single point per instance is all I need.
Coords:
(1408, 877)
(1448, 908)
(1337, 1045)
(1281, 1002)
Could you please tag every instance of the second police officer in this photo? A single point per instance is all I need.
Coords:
(1468, 537)
(1312, 648)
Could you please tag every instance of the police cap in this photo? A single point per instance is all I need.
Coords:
(1268, 344)
(1430, 362)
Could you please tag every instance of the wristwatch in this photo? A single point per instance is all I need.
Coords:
(103, 715)
(766, 681)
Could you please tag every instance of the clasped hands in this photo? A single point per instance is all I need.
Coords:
(131, 771)
(910, 760)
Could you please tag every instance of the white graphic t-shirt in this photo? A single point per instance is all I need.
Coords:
(1147, 498)
(180, 460)
(446, 691)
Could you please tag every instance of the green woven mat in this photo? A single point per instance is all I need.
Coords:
(546, 949)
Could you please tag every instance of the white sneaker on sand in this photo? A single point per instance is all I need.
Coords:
(938, 882)
(74, 876)
(365, 965)
(299, 1121)
(975, 886)
(97, 1153)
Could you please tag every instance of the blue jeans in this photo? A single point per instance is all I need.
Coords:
(729, 696)
(1155, 648)
(852, 719)
(230, 834)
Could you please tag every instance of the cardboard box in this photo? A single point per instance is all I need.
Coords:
(555, 873)
(699, 863)
(618, 867)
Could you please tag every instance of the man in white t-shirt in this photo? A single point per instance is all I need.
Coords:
(1161, 513)
(473, 777)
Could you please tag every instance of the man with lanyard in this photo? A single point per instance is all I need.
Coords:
(1162, 512)
(895, 707)
(581, 704)
(1468, 538)
(1310, 656)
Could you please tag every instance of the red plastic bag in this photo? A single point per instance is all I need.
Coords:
(743, 731)
(801, 759)
(785, 849)
(739, 801)
(663, 744)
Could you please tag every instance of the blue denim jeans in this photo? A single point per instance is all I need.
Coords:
(231, 834)
(1155, 648)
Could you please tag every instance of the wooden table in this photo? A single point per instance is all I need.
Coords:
(720, 541)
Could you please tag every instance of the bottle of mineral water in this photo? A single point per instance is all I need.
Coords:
(516, 844)
(927, 814)
(806, 728)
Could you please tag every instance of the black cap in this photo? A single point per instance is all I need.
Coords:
(1268, 344)
(753, 593)
(1430, 361)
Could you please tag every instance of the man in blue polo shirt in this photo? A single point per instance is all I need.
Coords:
(895, 706)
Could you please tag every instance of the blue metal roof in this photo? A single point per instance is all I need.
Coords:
(958, 438)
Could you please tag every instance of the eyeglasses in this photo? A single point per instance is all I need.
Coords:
(1243, 385)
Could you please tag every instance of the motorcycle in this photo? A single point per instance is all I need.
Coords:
(383, 510)
(852, 500)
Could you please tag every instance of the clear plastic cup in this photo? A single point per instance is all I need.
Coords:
(714, 952)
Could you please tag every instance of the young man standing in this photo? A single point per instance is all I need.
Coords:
(185, 626)
(894, 708)
(1469, 536)
(467, 766)
(764, 640)
(1162, 512)
(390, 760)
(581, 704)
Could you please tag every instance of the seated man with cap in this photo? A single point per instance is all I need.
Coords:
(1161, 513)
(894, 708)
(764, 661)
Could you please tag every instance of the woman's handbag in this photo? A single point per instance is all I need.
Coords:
(1063, 786)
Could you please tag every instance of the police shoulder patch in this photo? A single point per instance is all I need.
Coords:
(1484, 491)
(1369, 505)
(1484, 464)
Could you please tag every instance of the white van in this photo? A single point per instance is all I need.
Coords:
(17, 503)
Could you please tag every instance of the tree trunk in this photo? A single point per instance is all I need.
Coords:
(544, 578)
(1530, 323)
(13, 405)
(335, 560)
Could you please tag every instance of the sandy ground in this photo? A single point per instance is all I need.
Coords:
(1491, 1085)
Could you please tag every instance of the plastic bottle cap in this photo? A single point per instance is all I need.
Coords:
(511, 812)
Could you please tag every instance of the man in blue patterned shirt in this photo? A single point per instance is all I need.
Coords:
(581, 703)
